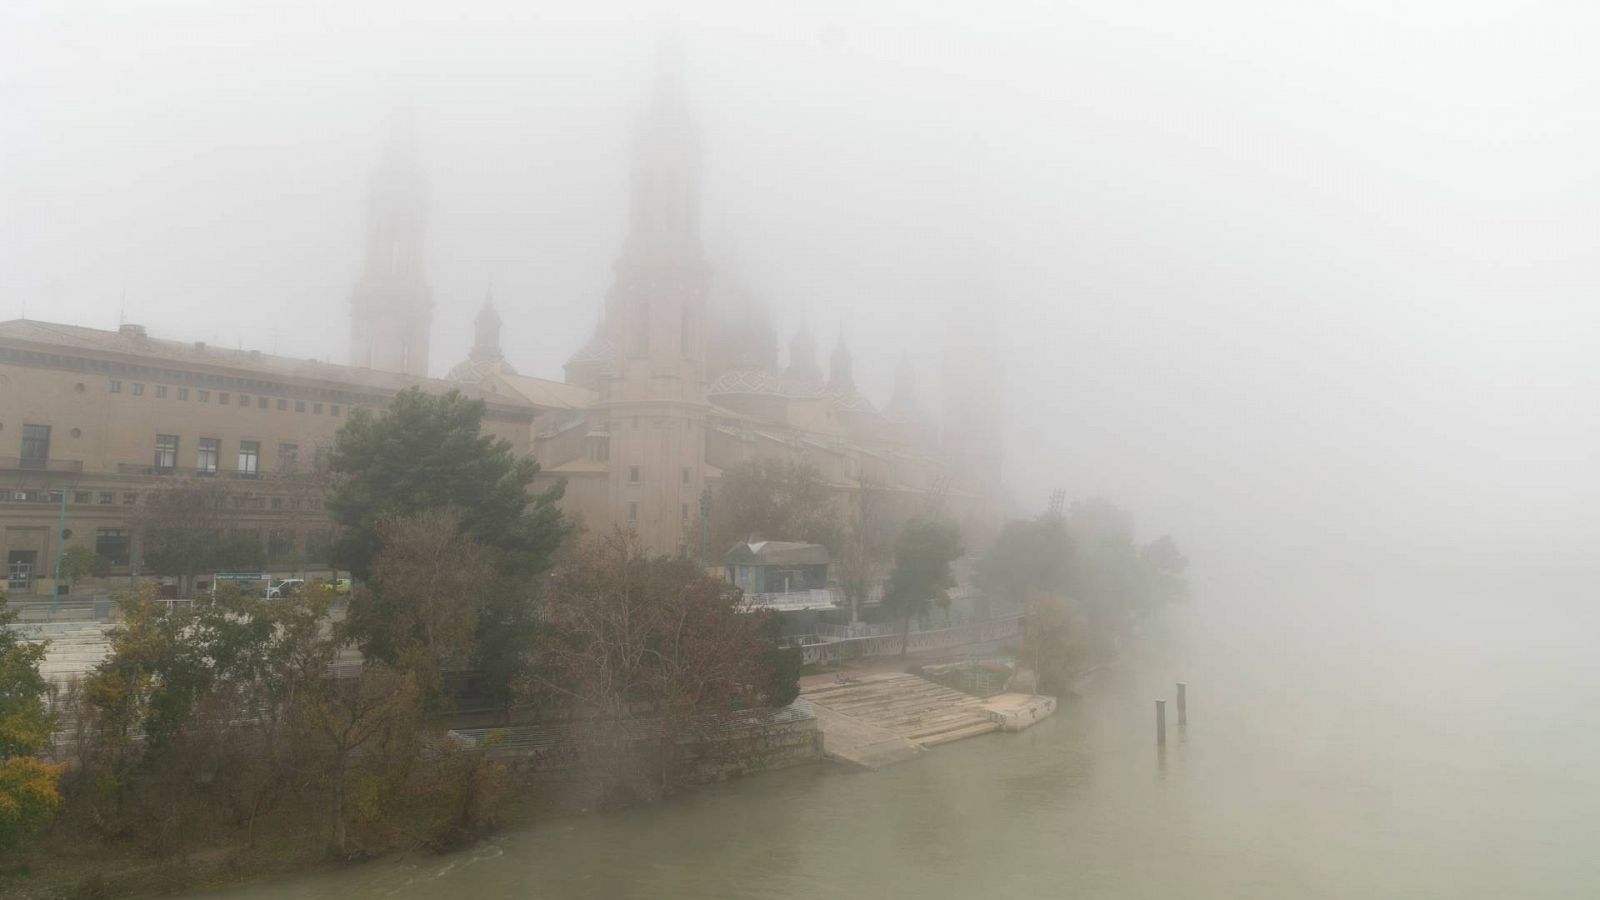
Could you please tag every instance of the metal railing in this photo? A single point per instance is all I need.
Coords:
(821, 598)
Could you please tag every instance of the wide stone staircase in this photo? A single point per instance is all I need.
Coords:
(877, 719)
(75, 647)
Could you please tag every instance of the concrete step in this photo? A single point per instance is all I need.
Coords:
(956, 734)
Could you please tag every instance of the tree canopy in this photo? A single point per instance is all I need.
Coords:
(429, 451)
(773, 499)
(28, 794)
(921, 577)
(188, 531)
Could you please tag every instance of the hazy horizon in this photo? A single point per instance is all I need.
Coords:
(1291, 281)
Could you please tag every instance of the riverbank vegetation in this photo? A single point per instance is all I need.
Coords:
(238, 735)
(1084, 582)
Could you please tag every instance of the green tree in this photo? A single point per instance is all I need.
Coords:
(773, 499)
(353, 726)
(25, 725)
(645, 654)
(921, 578)
(28, 792)
(82, 562)
(429, 452)
(1027, 557)
(188, 531)
(422, 604)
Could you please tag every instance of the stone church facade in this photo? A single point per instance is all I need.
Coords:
(679, 382)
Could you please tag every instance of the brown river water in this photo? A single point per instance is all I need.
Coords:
(1387, 741)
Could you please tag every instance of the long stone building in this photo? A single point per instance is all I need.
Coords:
(680, 381)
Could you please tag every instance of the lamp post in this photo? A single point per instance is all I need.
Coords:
(61, 539)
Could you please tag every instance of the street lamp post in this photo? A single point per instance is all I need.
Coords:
(61, 538)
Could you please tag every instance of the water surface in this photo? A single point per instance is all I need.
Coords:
(1382, 742)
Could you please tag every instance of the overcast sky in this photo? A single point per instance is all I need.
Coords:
(1271, 274)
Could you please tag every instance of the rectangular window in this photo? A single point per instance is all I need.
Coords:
(205, 462)
(35, 446)
(299, 406)
(258, 503)
(249, 457)
(633, 474)
(288, 457)
(333, 409)
(130, 499)
(261, 403)
(112, 543)
(81, 497)
(116, 386)
(183, 393)
(166, 451)
(244, 399)
(686, 475)
(316, 408)
(161, 392)
(138, 388)
(633, 510)
(282, 404)
(205, 396)
(277, 503)
(222, 396)
(319, 459)
(684, 513)
(107, 498)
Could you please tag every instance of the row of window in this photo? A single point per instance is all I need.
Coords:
(131, 498)
(686, 476)
(208, 456)
(633, 512)
(151, 373)
(225, 398)
(114, 544)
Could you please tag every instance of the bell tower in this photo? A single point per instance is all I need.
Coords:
(654, 327)
(391, 307)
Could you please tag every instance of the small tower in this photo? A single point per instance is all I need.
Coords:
(485, 358)
(841, 371)
(486, 334)
(391, 308)
(802, 367)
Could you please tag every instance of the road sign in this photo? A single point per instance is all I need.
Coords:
(241, 576)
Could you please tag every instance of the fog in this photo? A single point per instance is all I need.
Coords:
(1291, 281)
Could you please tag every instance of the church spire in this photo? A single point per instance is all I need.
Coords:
(486, 332)
(391, 308)
(664, 224)
(841, 371)
(803, 356)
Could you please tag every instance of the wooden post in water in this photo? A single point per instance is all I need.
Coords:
(1183, 703)
(1161, 721)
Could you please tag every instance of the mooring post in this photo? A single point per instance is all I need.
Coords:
(1161, 721)
(1183, 703)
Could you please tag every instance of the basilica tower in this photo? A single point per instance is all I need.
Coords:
(654, 328)
(391, 307)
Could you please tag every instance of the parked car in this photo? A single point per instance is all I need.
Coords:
(288, 587)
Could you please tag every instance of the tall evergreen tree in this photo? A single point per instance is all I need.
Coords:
(429, 452)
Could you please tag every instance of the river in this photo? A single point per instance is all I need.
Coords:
(1381, 741)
